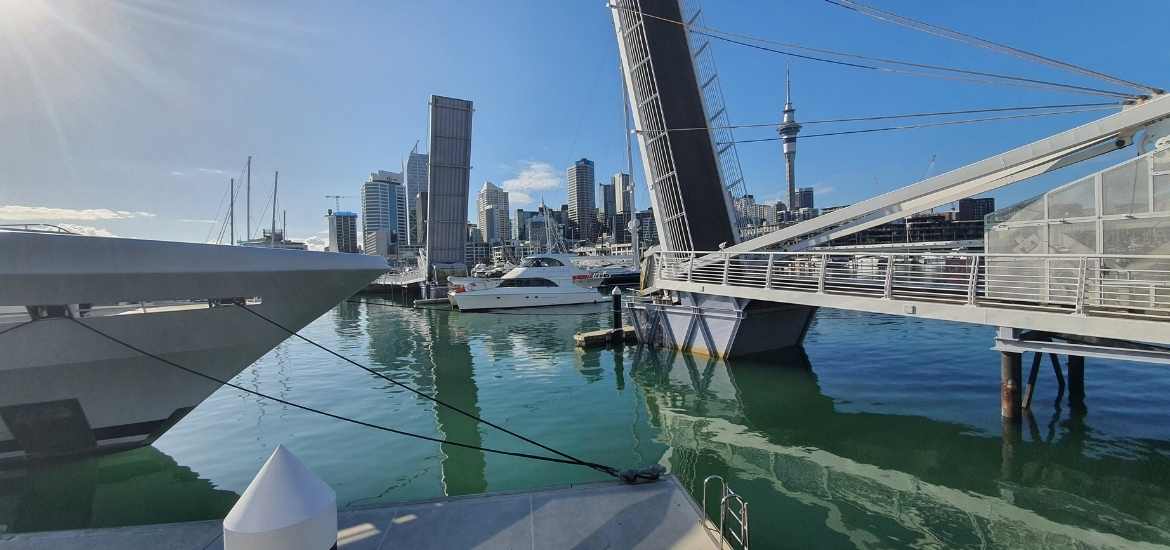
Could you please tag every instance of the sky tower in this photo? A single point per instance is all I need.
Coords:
(788, 130)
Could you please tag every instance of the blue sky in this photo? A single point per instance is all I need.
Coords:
(129, 116)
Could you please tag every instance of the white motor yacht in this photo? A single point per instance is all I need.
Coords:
(539, 280)
(65, 390)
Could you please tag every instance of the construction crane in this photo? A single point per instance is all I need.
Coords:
(337, 200)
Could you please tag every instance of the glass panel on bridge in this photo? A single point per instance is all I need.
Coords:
(1141, 237)
(1125, 189)
(1072, 238)
(1162, 193)
(1078, 200)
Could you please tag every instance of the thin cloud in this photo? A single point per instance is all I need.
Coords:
(535, 176)
(195, 220)
(215, 171)
(12, 212)
(519, 198)
(178, 173)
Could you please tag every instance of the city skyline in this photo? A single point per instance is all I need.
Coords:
(147, 150)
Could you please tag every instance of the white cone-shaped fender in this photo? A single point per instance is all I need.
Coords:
(285, 507)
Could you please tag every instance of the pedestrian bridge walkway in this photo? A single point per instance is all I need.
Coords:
(1103, 296)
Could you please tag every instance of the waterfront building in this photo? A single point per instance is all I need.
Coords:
(607, 208)
(623, 198)
(343, 231)
(582, 204)
(492, 206)
(803, 199)
(520, 227)
(383, 212)
(647, 231)
(474, 234)
(420, 220)
(975, 209)
(415, 175)
(477, 252)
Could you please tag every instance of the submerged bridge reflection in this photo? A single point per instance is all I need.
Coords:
(885, 479)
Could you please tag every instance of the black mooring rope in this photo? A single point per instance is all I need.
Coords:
(573, 461)
(602, 468)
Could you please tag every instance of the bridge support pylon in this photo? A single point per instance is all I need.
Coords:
(719, 326)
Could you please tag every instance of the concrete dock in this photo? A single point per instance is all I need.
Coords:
(592, 515)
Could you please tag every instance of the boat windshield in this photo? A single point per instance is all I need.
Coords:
(525, 281)
(540, 261)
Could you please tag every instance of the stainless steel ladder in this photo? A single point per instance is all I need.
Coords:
(729, 503)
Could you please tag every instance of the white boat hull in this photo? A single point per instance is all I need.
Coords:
(65, 390)
(503, 298)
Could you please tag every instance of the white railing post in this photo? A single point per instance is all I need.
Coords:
(888, 292)
(768, 275)
(1082, 275)
(821, 276)
(691, 267)
(973, 282)
(726, 266)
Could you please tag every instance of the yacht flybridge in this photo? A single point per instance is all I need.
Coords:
(67, 390)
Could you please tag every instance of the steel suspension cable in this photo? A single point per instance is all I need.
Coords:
(962, 75)
(936, 30)
(1103, 105)
(924, 125)
(570, 460)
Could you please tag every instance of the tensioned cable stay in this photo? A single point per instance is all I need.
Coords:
(924, 125)
(936, 30)
(962, 75)
(1104, 106)
(570, 460)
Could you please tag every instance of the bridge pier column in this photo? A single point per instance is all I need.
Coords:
(1076, 381)
(1010, 374)
(719, 326)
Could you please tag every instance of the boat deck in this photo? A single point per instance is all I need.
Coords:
(593, 515)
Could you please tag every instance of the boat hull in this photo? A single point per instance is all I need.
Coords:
(66, 390)
(504, 298)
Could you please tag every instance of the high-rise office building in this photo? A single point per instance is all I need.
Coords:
(608, 207)
(520, 225)
(343, 235)
(623, 193)
(582, 204)
(497, 227)
(975, 209)
(415, 174)
(420, 221)
(383, 212)
(804, 199)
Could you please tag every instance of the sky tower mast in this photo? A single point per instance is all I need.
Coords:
(788, 130)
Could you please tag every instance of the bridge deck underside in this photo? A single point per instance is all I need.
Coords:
(1125, 298)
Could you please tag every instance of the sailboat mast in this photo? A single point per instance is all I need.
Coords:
(275, 183)
(248, 205)
(232, 208)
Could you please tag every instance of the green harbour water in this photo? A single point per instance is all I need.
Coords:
(883, 432)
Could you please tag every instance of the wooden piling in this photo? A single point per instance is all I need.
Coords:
(1009, 386)
(1031, 387)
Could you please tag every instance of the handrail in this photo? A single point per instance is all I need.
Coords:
(728, 498)
(1077, 284)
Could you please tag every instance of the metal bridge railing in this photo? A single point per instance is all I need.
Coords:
(1092, 285)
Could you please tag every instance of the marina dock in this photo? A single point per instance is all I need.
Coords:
(591, 515)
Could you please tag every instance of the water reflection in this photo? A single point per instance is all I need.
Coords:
(454, 383)
(863, 479)
(133, 487)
